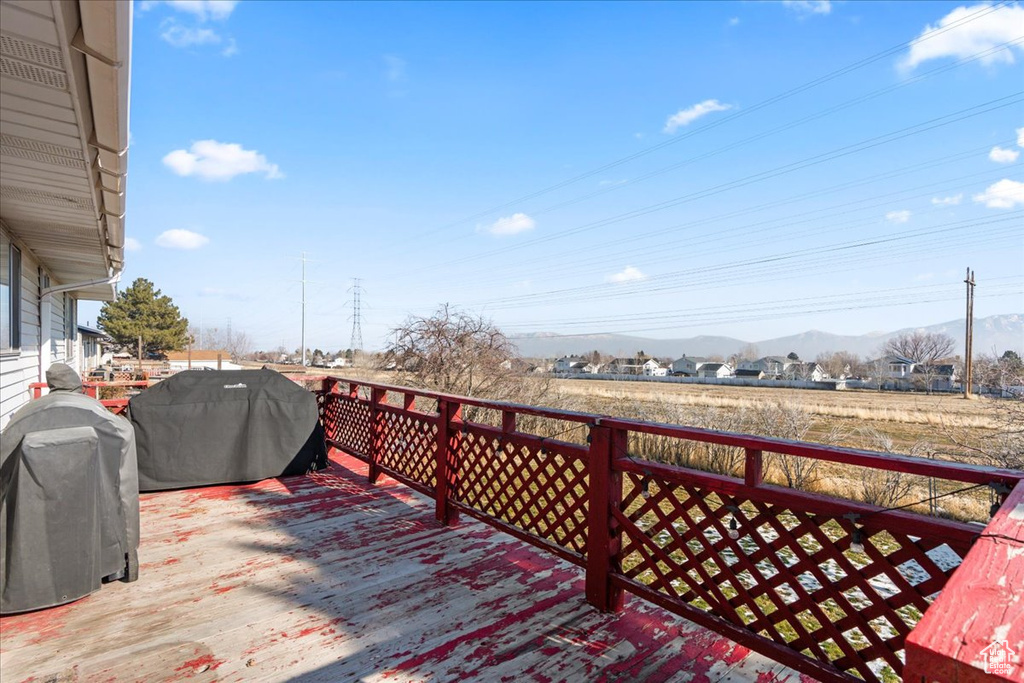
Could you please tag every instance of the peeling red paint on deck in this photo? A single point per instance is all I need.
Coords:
(326, 577)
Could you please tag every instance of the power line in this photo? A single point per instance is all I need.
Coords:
(728, 118)
(785, 169)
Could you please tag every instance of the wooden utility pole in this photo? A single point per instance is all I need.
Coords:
(969, 336)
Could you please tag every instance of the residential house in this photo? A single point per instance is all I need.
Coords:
(653, 368)
(935, 377)
(773, 367)
(892, 367)
(749, 374)
(570, 365)
(625, 366)
(715, 370)
(90, 348)
(201, 359)
(64, 122)
(809, 371)
(687, 366)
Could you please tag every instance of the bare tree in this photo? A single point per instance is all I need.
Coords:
(921, 347)
(237, 343)
(885, 488)
(1003, 445)
(839, 364)
(455, 352)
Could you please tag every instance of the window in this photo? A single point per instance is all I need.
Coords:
(70, 326)
(10, 296)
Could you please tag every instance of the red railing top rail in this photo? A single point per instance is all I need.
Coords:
(979, 614)
(133, 383)
(952, 471)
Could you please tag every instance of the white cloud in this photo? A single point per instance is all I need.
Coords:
(184, 36)
(1004, 194)
(511, 225)
(952, 200)
(1020, 137)
(997, 26)
(685, 117)
(181, 239)
(201, 9)
(627, 274)
(609, 183)
(132, 244)
(898, 216)
(212, 160)
(231, 49)
(734, 21)
(808, 6)
(1001, 155)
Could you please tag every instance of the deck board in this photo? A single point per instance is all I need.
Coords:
(327, 578)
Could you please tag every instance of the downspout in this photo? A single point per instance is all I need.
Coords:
(46, 313)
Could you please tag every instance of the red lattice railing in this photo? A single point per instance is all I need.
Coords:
(829, 586)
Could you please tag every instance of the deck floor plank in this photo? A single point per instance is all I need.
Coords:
(327, 578)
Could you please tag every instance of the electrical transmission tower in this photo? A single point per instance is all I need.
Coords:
(356, 343)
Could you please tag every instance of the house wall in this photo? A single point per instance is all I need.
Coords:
(19, 369)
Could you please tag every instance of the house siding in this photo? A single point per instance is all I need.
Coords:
(21, 368)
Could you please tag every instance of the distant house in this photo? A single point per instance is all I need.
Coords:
(199, 358)
(806, 371)
(892, 367)
(772, 366)
(625, 366)
(750, 374)
(653, 368)
(687, 366)
(937, 377)
(715, 370)
(571, 365)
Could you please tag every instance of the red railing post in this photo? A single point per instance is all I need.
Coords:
(447, 447)
(603, 539)
(377, 397)
(753, 469)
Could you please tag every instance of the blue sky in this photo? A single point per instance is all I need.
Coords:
(454, 153)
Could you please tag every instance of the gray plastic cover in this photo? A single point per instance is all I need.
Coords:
(69, 502)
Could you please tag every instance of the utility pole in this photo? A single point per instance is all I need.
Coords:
(302, 346)
(969, 336)
(356, 342)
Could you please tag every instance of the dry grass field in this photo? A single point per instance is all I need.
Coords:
(919, 424)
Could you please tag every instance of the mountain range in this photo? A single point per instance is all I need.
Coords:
(996, 333)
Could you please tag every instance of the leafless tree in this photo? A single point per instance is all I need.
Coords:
(885, 488)
(237, 343)
(921, 347)
(453, 351)
(839, 364)
(786, 421)
(1002, 446)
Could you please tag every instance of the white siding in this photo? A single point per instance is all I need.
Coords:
(19, 370)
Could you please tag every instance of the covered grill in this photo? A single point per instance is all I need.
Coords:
(216, 427)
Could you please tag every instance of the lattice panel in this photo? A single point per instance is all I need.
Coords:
(409, 446)
(790, 576)
(347, 421)
(524, 484)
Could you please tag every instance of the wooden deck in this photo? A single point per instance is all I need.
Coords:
(326, 578)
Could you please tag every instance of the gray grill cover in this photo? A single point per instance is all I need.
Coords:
(217, 427)
(69, 502)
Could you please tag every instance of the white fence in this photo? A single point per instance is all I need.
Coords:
(829, 385)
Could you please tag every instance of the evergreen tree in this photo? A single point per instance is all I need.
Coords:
(141, 310)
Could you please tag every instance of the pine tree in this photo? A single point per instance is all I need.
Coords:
(141, 310)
